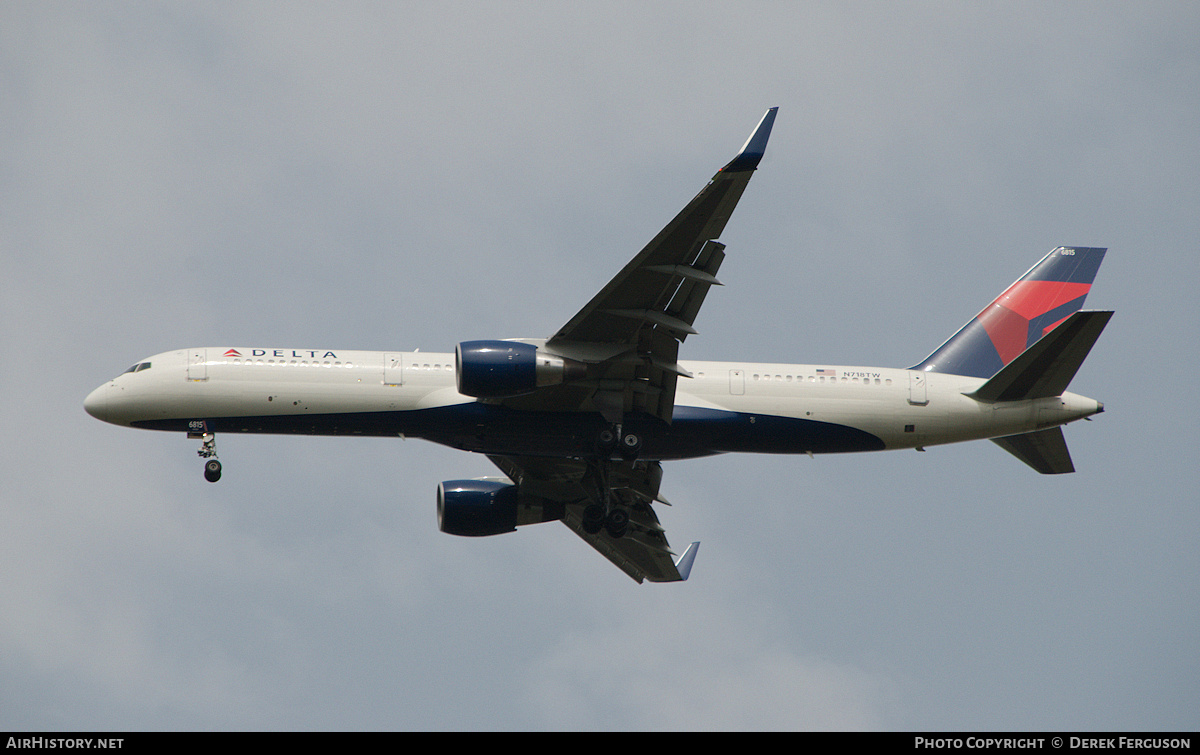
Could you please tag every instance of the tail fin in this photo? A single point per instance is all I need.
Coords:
(1036, 304)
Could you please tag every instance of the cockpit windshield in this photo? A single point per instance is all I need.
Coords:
(137, 367)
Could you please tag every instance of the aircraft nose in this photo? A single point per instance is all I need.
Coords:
(96, 404)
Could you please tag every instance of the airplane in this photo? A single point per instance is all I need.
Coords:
(579, 423)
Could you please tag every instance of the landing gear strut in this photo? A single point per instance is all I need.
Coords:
(208, 450)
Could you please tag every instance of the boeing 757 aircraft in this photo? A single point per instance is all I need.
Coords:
(580, 422)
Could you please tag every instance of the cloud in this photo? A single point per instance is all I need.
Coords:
(709, 673)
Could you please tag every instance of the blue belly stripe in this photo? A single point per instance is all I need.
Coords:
(492, 429)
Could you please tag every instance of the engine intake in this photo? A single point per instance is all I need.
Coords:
(497, 369)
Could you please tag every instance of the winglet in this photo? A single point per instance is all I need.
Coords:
(755, 146)
(684, 564)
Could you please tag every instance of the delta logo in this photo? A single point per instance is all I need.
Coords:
(297, 353)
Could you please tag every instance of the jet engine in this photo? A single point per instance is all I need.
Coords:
(497, 369)
(477, 508)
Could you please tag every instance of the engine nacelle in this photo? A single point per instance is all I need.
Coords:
(477, 508)
(496, 369)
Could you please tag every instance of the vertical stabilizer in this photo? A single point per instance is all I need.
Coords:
(1036, 304)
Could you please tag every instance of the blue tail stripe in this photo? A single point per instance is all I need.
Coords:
(1079, 267)
(1041, 322)
(969, 352)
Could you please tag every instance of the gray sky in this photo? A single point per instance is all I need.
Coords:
(393, 176)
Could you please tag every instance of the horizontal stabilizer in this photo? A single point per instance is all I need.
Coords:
(1044, 450)
(1046, 368)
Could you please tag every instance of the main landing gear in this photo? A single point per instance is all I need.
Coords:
(615, 522)
(612, 439)
(608, 512)
(208, 450)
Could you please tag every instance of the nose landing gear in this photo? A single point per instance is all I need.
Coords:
(212, 470)
(208, 450)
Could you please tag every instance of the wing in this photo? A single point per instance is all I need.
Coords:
(643, 552)
(629, 333)
(628, 337)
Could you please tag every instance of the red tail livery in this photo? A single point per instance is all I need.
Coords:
(1038, 302)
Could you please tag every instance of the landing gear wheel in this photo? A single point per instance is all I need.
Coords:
(631, 444)
(212, 470)
(606, 441)
(617, 522)
(593, 519)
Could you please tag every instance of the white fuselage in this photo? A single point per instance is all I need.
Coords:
(736, 406)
